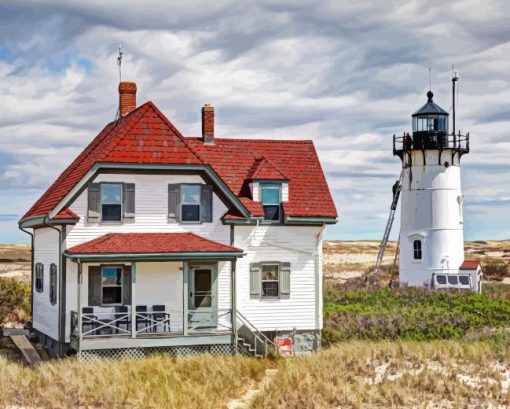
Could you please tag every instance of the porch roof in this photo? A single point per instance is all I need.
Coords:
(152, 245)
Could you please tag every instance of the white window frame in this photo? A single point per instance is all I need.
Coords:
(113, 286)
(269, 185)
(121, 186)
(262, 281)
(448, 285)
(183, 203)
(420, 250)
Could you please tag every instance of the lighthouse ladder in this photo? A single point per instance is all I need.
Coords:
(396, 194)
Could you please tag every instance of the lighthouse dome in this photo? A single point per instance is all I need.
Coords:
(430, 125)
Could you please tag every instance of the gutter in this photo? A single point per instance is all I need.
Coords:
(31, 274)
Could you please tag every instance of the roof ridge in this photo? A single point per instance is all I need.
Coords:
(173, 128)
(304, 141)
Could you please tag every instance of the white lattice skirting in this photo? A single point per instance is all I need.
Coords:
(122, 353)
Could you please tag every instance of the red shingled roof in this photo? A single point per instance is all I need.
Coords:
(147, 136)
(115, 243)
(470, 265)
(143, 136)
(263, 169)
(233, 159)
(67, 214)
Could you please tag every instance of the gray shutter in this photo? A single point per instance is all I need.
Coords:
(206, 199)
(94, 286)
(174, 199)
(94, 202)
(129, 202)
(126, 285)
(284, 280)
(255, 280)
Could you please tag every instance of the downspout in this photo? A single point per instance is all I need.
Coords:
(61, 258)
(318, 278)
(31, 275)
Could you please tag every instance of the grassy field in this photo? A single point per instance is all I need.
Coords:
(384, 347)
(356, 374)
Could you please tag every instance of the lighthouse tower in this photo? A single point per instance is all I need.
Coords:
(431, 230)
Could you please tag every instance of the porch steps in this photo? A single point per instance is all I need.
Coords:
(248, 349)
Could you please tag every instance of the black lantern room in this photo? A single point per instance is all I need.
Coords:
(430, 126)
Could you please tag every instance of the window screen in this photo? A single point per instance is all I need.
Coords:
(464, 280)
(111, 284)
(190, 203)
(111, 202)
(453, 280)
(271, 202)
(270, 282)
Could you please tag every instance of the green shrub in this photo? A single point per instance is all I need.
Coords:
(14, 300)
(408, 313)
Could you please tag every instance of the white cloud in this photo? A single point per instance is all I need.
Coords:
(347, 75)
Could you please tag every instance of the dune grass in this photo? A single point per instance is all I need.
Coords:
(158, 382)
(384, 374)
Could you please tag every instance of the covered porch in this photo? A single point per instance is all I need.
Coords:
(161, 290)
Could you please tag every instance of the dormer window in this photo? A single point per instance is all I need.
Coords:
(271, 201)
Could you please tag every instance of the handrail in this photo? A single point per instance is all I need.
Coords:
(258, 334)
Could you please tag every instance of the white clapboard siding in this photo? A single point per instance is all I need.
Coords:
(151, 210)
(46, 250)
(294, 244)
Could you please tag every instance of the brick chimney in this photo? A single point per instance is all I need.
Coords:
(127, 97)
(208, 124)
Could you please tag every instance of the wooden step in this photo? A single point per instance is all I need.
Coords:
(27, 349)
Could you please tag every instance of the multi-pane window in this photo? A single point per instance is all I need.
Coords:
(39, 277)
(53, 283)
(111, 202)
(270, 282)
(271, 202)
(417, 252)
(190, 203)
(111, 284)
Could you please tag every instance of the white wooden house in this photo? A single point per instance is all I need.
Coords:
(154, 242)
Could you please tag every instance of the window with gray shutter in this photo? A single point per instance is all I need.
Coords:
(270, 279)
(285, 280)
(94, 286)
(94, 202)
(255, 280)
(206, 204)
(129, 202)
(174, 198)
(126, 283)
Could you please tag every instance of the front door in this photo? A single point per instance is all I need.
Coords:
(202, 303)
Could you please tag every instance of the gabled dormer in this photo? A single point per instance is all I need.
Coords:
(270, 187)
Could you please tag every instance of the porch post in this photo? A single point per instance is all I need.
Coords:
(78, 302)
(185, 278)
(133, 300)
(234, 305)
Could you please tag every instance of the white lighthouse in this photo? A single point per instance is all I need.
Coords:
(431, 230)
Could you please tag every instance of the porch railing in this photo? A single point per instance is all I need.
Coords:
(150, 323)
(104, 324)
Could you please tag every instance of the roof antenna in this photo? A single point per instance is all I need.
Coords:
(455, 78)
(119, 61)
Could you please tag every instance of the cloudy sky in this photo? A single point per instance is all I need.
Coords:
(346, 75)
